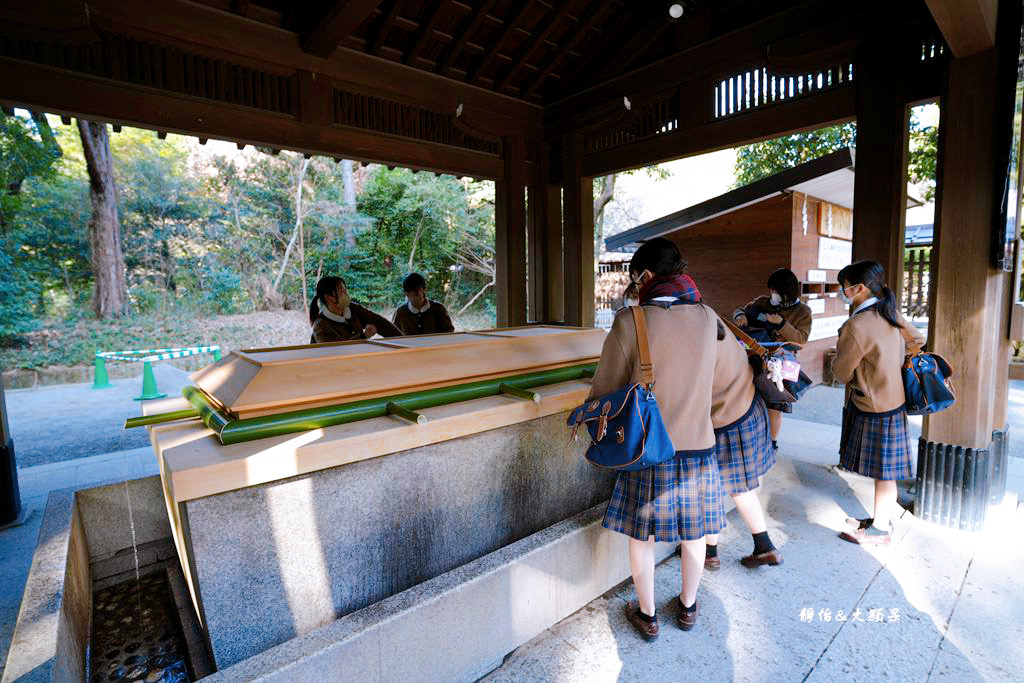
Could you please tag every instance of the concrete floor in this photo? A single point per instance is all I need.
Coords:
(959, 595)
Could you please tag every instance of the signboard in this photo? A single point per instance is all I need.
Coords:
(823, 328)
(834, 254)
(816, 275)
(817, 306)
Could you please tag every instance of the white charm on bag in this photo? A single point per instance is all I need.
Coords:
(775, 372)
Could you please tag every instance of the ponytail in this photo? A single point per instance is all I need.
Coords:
(871, 275)
(324, 286)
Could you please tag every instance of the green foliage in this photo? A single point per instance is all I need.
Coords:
(924, 144)
(27, 150)
(16, 301)
(763, 159)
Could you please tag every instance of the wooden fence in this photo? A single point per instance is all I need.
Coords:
(916, 280)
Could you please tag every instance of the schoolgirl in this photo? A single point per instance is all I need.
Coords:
(742, 447)
(335, 317)
(779, 317)
(680, 499)
(869, 358)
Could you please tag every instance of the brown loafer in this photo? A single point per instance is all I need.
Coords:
(686, 620)
(712, 563)
(772, 557)
(648, 630)
(869, 536)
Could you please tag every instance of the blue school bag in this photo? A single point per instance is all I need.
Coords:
(625, 426)
(926, 379)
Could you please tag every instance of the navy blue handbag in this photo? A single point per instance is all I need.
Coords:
(926, 379)
(625, 426)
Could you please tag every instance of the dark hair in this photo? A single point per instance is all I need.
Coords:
(324, 286)
(412, 282)
(785, 282)
(872, 275)
(660, 256)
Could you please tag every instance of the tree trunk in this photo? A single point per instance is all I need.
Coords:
(298, 224)
(350, 202)
(105, 251)
(600, 202)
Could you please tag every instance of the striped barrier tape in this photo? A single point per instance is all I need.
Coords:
(150, 355)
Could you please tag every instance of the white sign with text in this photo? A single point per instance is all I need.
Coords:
(834, 254)
(823, 328)
(816, 275)
(817, 306)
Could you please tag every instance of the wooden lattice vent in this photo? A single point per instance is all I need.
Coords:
(375, 113)
(642, 120)
(759, 88)
(129, 60)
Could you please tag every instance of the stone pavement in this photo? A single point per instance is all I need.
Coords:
(949, 603)
(17, 544)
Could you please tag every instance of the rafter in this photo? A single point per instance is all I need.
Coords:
(499, 43)
(426, 32)
(341, 18)
(385, 26)
(617, 60)
(536, 41)
(587, 21)
(455, 50)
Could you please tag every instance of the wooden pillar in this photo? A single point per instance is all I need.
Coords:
(578, 236)
(510, 236)
(544, 244)
(971, 298)
(880, 188)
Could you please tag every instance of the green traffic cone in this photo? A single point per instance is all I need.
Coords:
(149, 390)
(216, 354)
(99, 375)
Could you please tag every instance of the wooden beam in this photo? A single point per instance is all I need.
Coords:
(544, 243)
(510, 237)
(880, 189)
(76, 95)
(586, 22)
(426, 33)
(622, 54)
(385, 26)
(812, 111)
(538, 38)
(465, 35)
(341, 18)
(578, 235)
(969, 26)
(969, 324)
(497, 45)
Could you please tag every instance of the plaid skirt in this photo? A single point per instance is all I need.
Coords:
(744, 450)
(876, 445)
(677, 500)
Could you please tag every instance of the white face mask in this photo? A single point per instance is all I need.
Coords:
(776, 299)
(842, 297)
(627, 302)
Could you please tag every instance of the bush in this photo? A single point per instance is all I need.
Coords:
(17, 297)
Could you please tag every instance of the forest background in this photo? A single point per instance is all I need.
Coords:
(226, 247)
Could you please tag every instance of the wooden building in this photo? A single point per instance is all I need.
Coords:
(543, 96)
(800, 218)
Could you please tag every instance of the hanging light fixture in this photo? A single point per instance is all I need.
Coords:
(675, 11)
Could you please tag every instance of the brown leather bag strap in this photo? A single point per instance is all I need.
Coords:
(643, 346)
(912, 346)
(752, 344)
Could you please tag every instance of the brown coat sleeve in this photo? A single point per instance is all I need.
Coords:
(325, 332)
(848, 355)
(385, 327)
(919, 336)
(797, 328)
(446, 320)
(614, 369)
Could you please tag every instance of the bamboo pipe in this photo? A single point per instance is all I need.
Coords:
(159, 418)
(229, 429)
(403, 412)
(506, 388)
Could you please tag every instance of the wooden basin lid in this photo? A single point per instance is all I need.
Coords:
(281, 379)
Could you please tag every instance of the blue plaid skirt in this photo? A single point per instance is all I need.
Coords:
(876, 445)
(744, 450)
(677, 500)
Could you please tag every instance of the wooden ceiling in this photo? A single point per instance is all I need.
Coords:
(539, 51)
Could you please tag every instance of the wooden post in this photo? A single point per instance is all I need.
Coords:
(578, 237)
(510, 236)
(544, 243)
(970, 307)
(880, 189)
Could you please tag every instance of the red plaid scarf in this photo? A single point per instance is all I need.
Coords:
(679, 286)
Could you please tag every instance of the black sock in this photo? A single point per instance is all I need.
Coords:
(775, 444)
(689, 609)
(762, 543)
(712, 550)
(640, 613)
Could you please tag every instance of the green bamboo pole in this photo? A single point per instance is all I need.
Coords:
(403, 412)
(519, 393)
(589, 372)
(160, 418)
(231, 430)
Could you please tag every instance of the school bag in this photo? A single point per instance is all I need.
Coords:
(777, 374)
(625, 426)
(926, 379)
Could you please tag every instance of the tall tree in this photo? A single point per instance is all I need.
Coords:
(110, 290)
